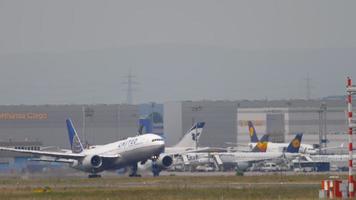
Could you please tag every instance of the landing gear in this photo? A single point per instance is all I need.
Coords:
(94, 176)
(134, 171)
(155, 167)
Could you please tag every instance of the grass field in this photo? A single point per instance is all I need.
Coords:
(165, 187)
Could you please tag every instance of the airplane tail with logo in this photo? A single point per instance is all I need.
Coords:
(261, 146)
(74, 140)
(294, 145)
(252, 132)
(192, 136)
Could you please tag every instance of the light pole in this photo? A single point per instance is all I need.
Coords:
(322, 127)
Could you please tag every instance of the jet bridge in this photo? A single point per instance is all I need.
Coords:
(219, 165)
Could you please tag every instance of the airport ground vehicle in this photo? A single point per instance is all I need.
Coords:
(270, 167)
(204, 168)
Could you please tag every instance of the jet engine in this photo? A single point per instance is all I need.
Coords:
(164, 161)
(92, 161)
(243, 166)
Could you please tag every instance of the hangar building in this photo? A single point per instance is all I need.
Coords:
(226, 121)
(283, 119)
(46, 123)
(220, 118)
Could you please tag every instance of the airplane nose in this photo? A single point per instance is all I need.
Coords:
(159, 143)
(162, 145)
(161, 148)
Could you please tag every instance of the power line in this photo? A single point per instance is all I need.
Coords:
(130, 82)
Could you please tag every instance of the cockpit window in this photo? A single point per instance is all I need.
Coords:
(154, 140)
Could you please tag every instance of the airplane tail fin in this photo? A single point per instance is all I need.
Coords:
(74, 140)
(294, 145)
(261, 146)
(252, 132)
(192, 136)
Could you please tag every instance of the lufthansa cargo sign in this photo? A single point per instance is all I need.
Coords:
(23, 116)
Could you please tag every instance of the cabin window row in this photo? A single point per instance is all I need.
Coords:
(28, 148)
(154, 140)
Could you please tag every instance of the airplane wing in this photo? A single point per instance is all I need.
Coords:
(110, 156)
(238, 144)
(59, 156)
(254, 160)
(207, 150)
(65, 155)
(261, 158)
(333, 147)
(59, 160)
(193, 150)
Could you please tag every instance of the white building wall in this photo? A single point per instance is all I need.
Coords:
(172, 118)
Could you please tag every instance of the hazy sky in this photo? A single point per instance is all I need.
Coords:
(71, 51)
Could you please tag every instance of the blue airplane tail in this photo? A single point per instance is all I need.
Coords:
(74, 140)
(252, 132)
(294, 145)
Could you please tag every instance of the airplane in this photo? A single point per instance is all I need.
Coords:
(277, 147)
(187, 144)
(244, 160)
(112, 156)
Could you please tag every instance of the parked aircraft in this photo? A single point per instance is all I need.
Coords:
(112, 156)
(245, 160)
(242, 160)
(277, 147)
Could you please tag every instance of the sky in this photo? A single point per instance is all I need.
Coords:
(79, 51)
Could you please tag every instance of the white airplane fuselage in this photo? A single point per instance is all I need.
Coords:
(124, 152)
(280, 147)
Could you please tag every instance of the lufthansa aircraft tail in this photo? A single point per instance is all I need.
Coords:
(294, 145)
(192, 136)
(74, 140)
(252, 132)
(261, 146)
